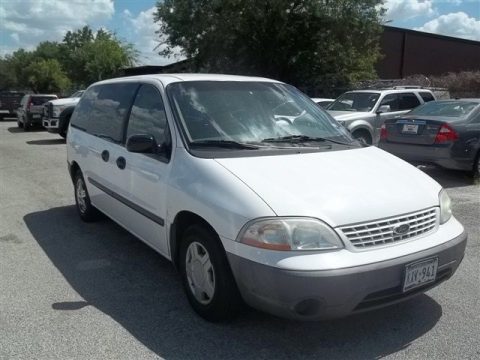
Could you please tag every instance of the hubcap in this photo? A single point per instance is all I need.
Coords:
(200, 273)
(81, 195)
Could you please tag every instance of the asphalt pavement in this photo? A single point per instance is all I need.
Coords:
(70, 290)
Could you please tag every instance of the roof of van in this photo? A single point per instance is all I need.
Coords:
(171, 78)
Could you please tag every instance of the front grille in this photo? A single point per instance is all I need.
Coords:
(379, 233)
(48, 110)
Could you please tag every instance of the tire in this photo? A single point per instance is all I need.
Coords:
(86, 210)
(19, 124)
(362, 135)
(211, 289)
(63, 134)
(476, 167)
(26, 125)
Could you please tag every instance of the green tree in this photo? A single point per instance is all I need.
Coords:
(46, 76)
(312, 43)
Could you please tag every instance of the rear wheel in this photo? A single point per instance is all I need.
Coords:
(19, 124)
(206, 275)
(86, 210)
(363, 135)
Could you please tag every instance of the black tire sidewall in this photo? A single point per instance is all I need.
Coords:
(226, 299)
(91, 213)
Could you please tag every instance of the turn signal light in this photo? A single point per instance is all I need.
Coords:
(446, 133)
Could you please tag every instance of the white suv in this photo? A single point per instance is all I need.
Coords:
(363, 112)
(257, 195)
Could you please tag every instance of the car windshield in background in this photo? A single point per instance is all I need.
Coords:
(250, 113)
(355, 101)
(40, 100)
(77, 94)
(446, 108)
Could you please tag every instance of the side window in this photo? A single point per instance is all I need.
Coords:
(390, 100)
(103, 110)
(426, 96)
(148, 115)
(407, 101)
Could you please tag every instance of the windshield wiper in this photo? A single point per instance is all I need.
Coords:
(301, 139)
(229, 144)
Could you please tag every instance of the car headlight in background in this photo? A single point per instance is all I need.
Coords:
(290, 234)
(57, 110)
(445, 206)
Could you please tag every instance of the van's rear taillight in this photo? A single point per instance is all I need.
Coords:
(383, 132)
(446, 133)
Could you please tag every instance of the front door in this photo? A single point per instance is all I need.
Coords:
(147, 172)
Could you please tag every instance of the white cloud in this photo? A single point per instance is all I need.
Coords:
(456, 24)
(38, 20)
(145, 39)
(406, 9)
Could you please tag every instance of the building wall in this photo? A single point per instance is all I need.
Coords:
(408, 52)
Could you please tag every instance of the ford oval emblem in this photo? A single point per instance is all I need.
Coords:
(401, 229)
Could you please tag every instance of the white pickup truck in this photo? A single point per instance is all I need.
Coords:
(52, 113)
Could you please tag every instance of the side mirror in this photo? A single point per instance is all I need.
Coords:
(141, 144)
(384, 109)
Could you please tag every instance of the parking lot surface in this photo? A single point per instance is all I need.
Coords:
(70, 290)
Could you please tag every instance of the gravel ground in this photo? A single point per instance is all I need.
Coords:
(70, 290)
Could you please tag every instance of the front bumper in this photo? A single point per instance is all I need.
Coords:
(51, 124)
(440, 155)
(316, 295)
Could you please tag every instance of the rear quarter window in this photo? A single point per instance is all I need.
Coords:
(426, 96)
(103, 110)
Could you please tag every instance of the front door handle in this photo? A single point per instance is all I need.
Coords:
(105, 155)
(121, 162)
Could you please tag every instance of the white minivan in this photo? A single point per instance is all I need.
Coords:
(257, 195)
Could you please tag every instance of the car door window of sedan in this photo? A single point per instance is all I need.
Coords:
(148, 115)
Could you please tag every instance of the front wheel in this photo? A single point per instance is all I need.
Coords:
(362, 136)
(206, 275)
(476, 167)
(86, 210)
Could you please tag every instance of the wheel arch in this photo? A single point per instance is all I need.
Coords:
(182, 220)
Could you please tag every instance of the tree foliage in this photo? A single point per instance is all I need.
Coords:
(83, 57)
(305, 42)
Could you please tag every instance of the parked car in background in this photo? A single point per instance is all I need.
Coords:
(323, 102)
(445, 133)
(363, 112)
(53, 110)
(255, 193)
(30, 112)
(9, 102)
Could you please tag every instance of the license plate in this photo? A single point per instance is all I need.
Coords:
(36, 116)
(420, 273)
(410, 129)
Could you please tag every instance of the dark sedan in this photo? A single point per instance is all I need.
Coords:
(445, 133)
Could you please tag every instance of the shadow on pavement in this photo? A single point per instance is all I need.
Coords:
(16, 130)
(120, 276)
(448, 178)
(46, 142)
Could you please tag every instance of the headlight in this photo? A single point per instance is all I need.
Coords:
(57, 110)
(290, 234)
(445, 206)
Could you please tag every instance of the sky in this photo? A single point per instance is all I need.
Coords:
(25, 23)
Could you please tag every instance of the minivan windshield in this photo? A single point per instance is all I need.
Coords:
(355, 101)
(237, 112)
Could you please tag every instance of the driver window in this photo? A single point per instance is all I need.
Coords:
(148, 115)
(390, 100)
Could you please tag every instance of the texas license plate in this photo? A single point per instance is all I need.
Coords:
(420, 273)
(410, 129)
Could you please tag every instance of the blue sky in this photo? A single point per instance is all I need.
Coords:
(24, 23)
